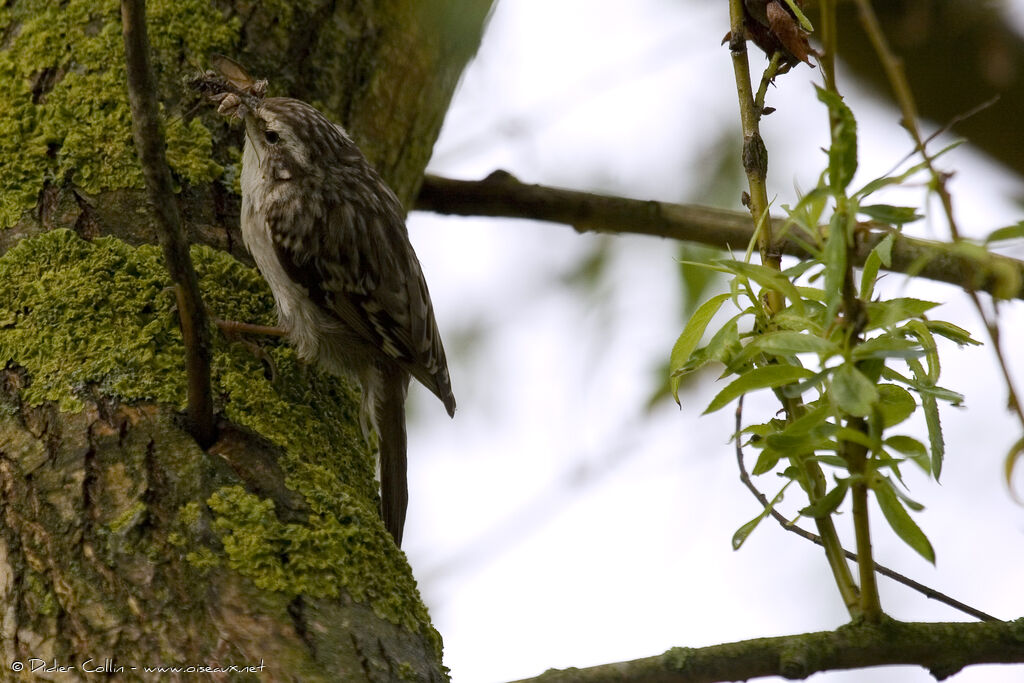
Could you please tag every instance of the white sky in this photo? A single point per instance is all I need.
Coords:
(555, 523)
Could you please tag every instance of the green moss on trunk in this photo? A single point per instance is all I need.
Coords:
(88, 320)
(65, 116)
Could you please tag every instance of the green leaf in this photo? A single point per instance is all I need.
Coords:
(884, 460)
(854, 393)
(899, 519)
(791, 343)
(887, 346)
(813, 382)
(799, 268)
(760, 430)
(881, 255)
(806, 434)
(830, 460)
(891, 215)
(842, 155)
(884, 249)
(922, 461)
(741, 534)
(921, 384)
(829, 503)
(691, 336)
(951, 332)
(1012, 458)
(725, 344)
(807, 215)
(886, 313)
(856, 436)
(868, 274)
(951, 397)
(1010, 232)
(812, 294)
(766, 461)
(835, 262)
(792, 473)
(928, 345)
(769, 278)
(935, 440)
(895, 404)
(791, 444)
(907, 500)
(758, 378)
(723, 348)
(928, 392)
(906, 445)
(813, 320)
(816, 417)
(872, 368)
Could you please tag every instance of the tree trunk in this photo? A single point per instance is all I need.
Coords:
(124, 545)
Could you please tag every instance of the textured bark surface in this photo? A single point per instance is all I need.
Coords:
(95, 569)
(123, 543)
(386, 70)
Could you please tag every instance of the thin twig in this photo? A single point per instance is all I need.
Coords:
(149, 143)
(776, 67)
(755, 154)
(755, 166)
(786, 524)
(501, 194)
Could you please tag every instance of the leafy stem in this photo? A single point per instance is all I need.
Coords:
(755, 166)
(854, 453)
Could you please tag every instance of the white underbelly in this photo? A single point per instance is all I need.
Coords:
(318, 336)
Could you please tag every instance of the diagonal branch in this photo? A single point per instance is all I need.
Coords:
(500, 194)
(942, 648)
(149, 142)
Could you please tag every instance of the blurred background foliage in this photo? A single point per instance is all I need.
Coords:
(958, 54)
(582, 476)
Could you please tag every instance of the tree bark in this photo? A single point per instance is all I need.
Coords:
(124, 544)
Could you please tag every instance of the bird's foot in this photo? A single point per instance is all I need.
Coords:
(233, 330)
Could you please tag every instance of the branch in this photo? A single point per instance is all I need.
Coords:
(500, 194)
(786, 524)
(942, 648)
(149, 143)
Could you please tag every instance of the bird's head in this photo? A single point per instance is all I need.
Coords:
(293, 139)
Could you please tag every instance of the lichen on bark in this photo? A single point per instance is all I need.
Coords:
(91, 323)
(65, 116)
(271, 537)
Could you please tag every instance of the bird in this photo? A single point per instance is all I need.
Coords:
(329, 237)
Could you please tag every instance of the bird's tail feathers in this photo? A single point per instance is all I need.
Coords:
(389, 419)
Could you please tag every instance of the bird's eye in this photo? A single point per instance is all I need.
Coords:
(272, 136)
